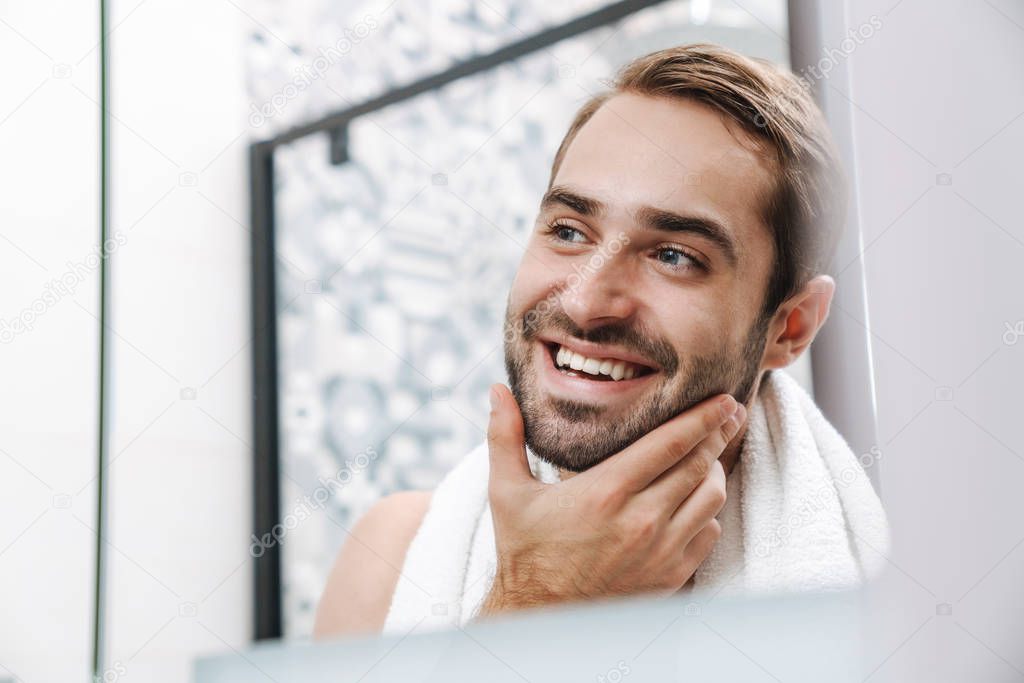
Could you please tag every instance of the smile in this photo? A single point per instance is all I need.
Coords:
(576, 370)
(602, 369)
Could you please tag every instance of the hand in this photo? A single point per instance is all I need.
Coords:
(640, 521)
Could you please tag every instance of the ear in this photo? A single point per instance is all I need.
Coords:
(797, 322)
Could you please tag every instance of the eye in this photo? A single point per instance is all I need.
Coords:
(679, 259)
(565, 233)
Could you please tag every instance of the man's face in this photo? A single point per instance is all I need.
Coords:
(624, 269)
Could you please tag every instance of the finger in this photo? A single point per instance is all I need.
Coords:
(700, 507)
(699, 547)
(687, 557)
(505, 441)
(670, 489)
(645, 459)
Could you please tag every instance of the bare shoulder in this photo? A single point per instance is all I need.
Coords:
(358, 593)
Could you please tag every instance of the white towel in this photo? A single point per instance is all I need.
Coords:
(801, 515)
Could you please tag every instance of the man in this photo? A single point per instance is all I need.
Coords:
(677, 259)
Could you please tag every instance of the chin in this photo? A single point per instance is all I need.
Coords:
(572, 445)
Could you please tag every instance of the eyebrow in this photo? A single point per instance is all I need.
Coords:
(648, 216)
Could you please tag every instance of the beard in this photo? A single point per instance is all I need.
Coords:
(576, 435)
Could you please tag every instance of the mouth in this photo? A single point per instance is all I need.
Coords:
(595, 368)
(567, 374)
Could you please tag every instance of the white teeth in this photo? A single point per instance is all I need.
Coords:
(617, 370)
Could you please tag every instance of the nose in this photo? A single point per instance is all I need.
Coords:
(597, 293)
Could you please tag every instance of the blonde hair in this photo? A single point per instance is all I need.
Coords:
(806, 208)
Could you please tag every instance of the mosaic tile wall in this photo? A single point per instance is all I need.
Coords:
(393, 268)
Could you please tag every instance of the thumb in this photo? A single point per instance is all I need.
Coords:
(505, 439)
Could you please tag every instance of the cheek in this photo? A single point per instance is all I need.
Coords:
(538, 277)
(698, 328)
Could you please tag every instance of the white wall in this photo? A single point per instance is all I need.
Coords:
(49, 217)
(938, 90)
(180, 577)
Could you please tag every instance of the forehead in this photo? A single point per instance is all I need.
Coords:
(673, 154)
